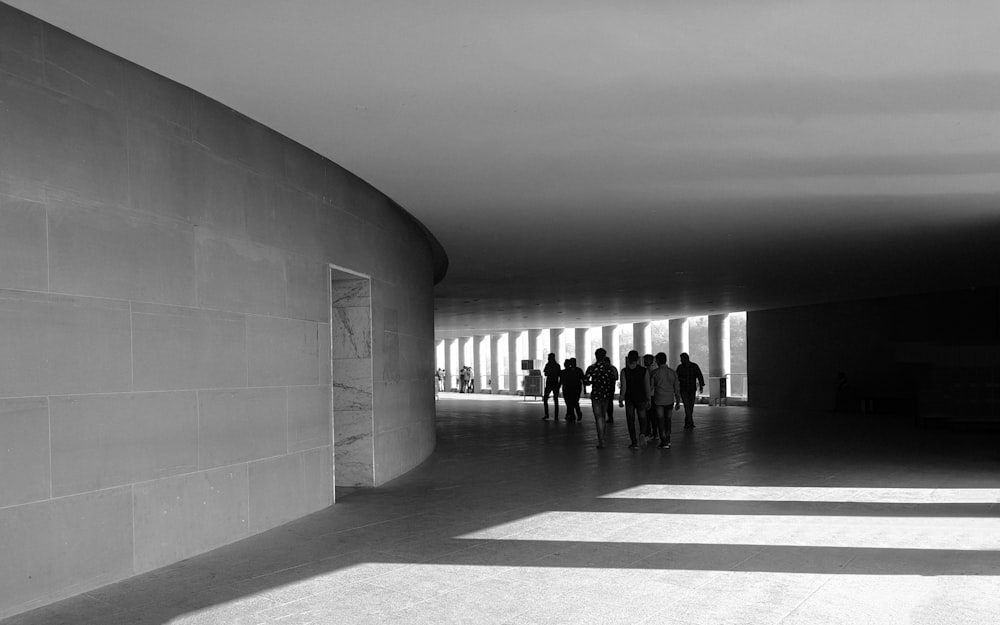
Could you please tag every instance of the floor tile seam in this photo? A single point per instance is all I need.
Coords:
(822, 584)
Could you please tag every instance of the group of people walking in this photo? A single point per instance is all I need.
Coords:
(649, 393)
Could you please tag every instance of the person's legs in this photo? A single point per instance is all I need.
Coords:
(545, 401)
(687, 397)
(555, 401)
(630, 420)
(643, 420)
(663, 414)
(610, 409)
(600, 407)
(654, 424)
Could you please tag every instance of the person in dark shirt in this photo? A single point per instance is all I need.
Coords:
(634, 396)
(571, 379)
(551, 372)
(688, 377)
(602, 376)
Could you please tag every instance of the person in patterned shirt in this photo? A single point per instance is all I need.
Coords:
(602, 376)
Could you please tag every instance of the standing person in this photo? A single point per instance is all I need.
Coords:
(611, 398)
(666, 396)
(551, 372)
(571, 379)
(634, 395)
(463, 379)
(471, 377)
(689, 375)
(602, 376)
(652, 430)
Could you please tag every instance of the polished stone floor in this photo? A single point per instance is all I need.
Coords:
(753, 517)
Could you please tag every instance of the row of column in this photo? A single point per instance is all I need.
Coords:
(718, 348)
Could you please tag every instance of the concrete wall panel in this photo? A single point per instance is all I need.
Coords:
(239, 276)
(242, 425)
(282, 351)
(308, 417)
(288, 487)
(181, 516)
(23, 262)
(62, 142)
(184, 348)
(307, 294)
(24, 450)
(109, 252)
(62, 344)
(325, 364)
(100, 441)
(60, 547)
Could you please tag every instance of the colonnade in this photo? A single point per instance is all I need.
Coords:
(484, 356)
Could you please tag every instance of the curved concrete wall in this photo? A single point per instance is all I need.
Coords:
(165, 322)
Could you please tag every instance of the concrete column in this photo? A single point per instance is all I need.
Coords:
(478, 364)
(582, 347)
(534, 349)
(450, 352)
(495, 363)
(642, 337)
(611, 343)
(463, 347)
(718, 346)
(438, 353)
(513, 362)
(677, 335)
(557, 344)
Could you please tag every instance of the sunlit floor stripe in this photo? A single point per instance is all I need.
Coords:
(889, 532)
(809, 493)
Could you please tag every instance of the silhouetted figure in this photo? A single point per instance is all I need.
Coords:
(666, 396)
(602, 377)
(470, 376)
(689, 376)
(551, 372)
(571, 379)
(634, 395)
(611, 398)
(652, 429)
(463, 379)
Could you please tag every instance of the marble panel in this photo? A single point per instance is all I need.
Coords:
(61, 547)
(282, 352)
(288, 487)
(352, 384)
(100, 441)
(183, 348)
(241, 425)
(63, 345)
(352, 333)
(61, 142)
(181, 516)
(307, 293)
(111, 252)
(23, 261)
(353, 447)
(309, 417)
(239, 276)
(24, 450)
(350, 292)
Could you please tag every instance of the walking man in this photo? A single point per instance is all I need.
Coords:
(551, 372)
(689, 376)
(634, 395)
(666, 396)
(571, 380)
(602, 376)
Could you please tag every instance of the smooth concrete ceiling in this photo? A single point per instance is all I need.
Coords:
(593, 162)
